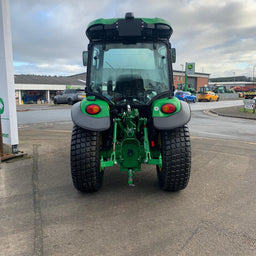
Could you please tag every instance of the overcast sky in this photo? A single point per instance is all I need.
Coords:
(219, 36)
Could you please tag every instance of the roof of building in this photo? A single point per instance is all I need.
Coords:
(231, 79)
(196, 74)
(39, 79)
(78, 79)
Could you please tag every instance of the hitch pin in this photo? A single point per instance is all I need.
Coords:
(130, 178)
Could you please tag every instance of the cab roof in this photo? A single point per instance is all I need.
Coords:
(129, 28)
(112, 21)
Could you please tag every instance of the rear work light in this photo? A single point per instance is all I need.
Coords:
(168, 108)
(93, 109)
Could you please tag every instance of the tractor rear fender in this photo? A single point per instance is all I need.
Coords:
(180, 117)
(91, 122)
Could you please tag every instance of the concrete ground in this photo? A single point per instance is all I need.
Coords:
(42, 214)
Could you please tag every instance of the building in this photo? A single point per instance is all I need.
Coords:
(233, 81)
(38, 89)
(194, 81)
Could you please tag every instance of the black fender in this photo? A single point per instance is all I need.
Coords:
(88, 122)
(174, 121)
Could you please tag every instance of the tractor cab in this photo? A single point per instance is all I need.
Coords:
(129, 60)
(203, 90)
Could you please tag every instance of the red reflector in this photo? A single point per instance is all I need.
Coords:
(152, 144)
(93, 109)
(168, 108)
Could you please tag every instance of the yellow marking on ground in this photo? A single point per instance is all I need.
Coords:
(49, 130)
(210, 113)
(66, 131)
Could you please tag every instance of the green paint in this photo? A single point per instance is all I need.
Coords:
(130, 176)
(112, 160)
(128, 151)
(92, 100)
(74, 87)
(156, 106)
(102, 22)
(1, 106)
(113, 21)
(156, 21)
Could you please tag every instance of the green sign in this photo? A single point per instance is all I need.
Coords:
(190, 68)
(1, 106)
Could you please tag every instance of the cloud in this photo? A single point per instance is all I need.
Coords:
(49, 36)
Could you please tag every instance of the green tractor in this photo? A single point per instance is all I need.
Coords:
(130, 116)
(182, 87)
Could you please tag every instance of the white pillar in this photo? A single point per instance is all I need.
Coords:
(48, 96)
(19, 91)
(7, 89)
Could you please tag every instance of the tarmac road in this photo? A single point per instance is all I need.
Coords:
(207, 125)
(42, 214)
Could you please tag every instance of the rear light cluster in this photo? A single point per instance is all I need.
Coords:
(168, 108)
(93, 109)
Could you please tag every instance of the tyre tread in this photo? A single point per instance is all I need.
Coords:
(176, 155)
(85, 160)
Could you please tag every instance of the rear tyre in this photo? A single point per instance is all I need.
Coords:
(176, 159)
(85, 160)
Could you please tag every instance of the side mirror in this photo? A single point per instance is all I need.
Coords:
(173, 54)
(85, 58)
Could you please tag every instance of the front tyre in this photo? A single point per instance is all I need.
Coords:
(176, 159)
(85, 160)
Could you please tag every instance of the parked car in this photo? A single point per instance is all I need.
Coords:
(185, 96)
(69, 96)
(207, 96)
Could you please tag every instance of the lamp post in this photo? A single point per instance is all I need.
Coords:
(182, 65)
(253, 67)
